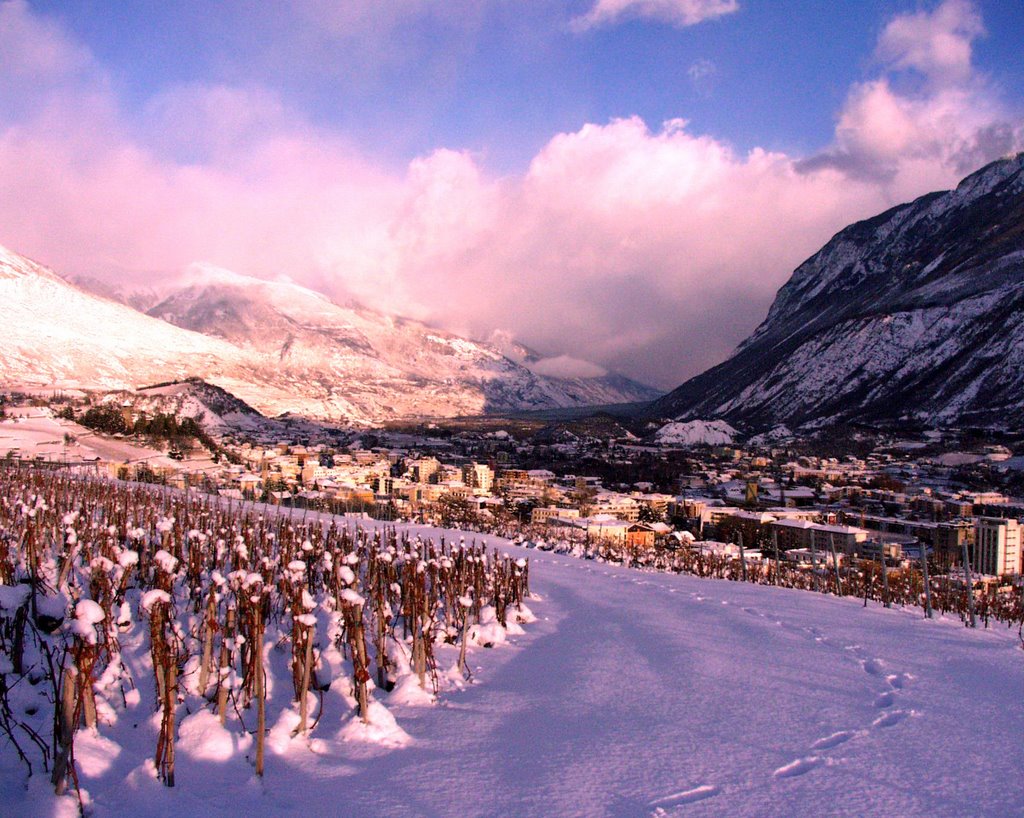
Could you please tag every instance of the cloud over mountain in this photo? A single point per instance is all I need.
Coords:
(651, 250)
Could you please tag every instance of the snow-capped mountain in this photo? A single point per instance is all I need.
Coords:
(277, 346)
(57, 334)
(916, 314)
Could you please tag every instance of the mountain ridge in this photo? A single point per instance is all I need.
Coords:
(275, 345)
(912, 315)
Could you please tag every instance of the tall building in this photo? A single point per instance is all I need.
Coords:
(424, 470)
(997, 546)
(478, 476)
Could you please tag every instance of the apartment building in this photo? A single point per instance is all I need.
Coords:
(997, 546)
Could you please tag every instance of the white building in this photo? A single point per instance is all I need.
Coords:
(478, 476)
(997, 546)
(847, 538)
(546, 515)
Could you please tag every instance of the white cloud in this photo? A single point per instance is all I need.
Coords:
(953, 121)
(565, 366)
(35, 47)
(675, 12)
(937, 43)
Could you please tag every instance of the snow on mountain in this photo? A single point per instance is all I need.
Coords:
(214, 408)
(57, 334)
(279, 347)
(371, 365)
(778, 434)
(916, 314)
(696, 433)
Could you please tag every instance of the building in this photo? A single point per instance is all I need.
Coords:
(424, 470)
(614, 505)
(807, 557)
(793, 534)
(948, 541)
(549, 513)
(640, 537)
(713, 515)
(847, 538)
(605, 527)
(997, 546)
(750, 524)
(479, 477)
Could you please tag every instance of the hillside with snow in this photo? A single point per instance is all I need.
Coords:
(916, 314)
(278, 347)
(696, 433)
(633, 694)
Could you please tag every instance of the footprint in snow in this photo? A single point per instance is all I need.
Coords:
(873, 667)
(800, 766)
(828, 742)
(690, 796)
(897, 680)
(890, 719)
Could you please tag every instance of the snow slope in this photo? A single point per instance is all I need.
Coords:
(917, 313)
(696, 433)
(648, 695)
(34, 432)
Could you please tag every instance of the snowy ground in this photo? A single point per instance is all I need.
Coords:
(35, 432)
(647, 694)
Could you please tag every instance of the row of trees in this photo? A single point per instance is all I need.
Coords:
(181, 432)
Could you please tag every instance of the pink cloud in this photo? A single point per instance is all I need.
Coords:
(650, 251)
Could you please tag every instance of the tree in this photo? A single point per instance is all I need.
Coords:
(104, 418)
(454, 511)
(649, 515)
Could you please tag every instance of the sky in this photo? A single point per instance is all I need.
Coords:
(621, 184)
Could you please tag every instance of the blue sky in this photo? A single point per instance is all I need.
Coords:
(500, 80)
(499, 166)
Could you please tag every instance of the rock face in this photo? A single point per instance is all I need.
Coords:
(914, 315)
(279, 347)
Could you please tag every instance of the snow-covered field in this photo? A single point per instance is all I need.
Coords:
(636, 694)
(33, 432)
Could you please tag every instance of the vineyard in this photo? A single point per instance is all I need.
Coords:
(946, 593)
(228, 626)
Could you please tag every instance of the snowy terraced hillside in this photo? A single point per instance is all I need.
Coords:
(639, 695)
(33, 432)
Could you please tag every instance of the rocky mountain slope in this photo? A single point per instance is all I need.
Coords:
(370, 363)
(916, 314)
(279, 347)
